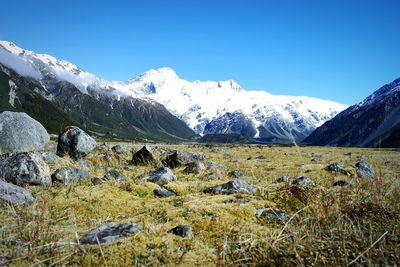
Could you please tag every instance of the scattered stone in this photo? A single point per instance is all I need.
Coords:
(236, 174)
(143, 157)
(283, 179)
(236, 200)
(196, 167)
(303, 181)
(21, 133)
(115, 175)
(110, 232)
(182, 158)
(85, 163)
(342, 183)
(162, 192)
(272, 214)
(70, 175)
(103, 148)
(118, 149)
(335, 167)
(365, 170)
(216, 167)
(97, 181)
(75, 143)
(50, 157)
(14, 195)
(212, 176)
(25, 168)
(232, 187)
(160, 176)
(182, 231)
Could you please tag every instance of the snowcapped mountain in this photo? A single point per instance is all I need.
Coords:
(206, 107)
(374, 122)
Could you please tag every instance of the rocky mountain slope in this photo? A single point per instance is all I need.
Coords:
(206, 107)
(375, 122)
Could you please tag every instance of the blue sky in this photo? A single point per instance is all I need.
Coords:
(338, 50)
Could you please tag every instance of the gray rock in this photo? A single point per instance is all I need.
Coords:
(232, 187)
(196, 167)
(236, 200)
(365, 170)
(25, 168)
(118, 149)
(182, 231)
(15, 195)
(50, 157)
(216, 167)
(115, 175)
(97, 181)
(110, 232)
(283, 179)
(85, 163)
(303, 181)
(4, 261)
(160, 176)
(70, 175)
(21, 133)
(75, 143)
(144, 157)
(236, 174)
(162, 192)
(342, 183)
(335, 167)
(272, 214)
(213, 176)
(182, 158)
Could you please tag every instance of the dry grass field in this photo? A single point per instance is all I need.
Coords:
(328, 226)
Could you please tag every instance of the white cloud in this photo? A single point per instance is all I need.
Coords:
(18, 64)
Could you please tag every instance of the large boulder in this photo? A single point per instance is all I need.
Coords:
(75, 143)
(109, 232)
(160, 176)
(182, 158)
(25, 168)
(70, 175)
(195, 167)
(21, 133)
(365, 170)
(237, 186)
(14, 195)
(143, 157)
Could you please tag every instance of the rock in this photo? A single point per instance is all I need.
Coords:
(283, 179)
(162, 192)
(365, 170)
(182, 158)
(236, 200)
(110, 232)
(261, 157)
(160, 176)
(21, 133)
(182, 231)
(232, 187)
(342, 183)
(115, 175)
(103, 148)
(50, 157)
(212, 176)
(216, 167)
(236, 174)
(25, 168)
(335, 167)
(4, 261)
(85, 163)
(70, 175)
(14, 195)
(118, 149)
(143, 157)
(303, 181)
(272, 214)
(97, 181)
(75, 142)
(196, 167)
(227, 156)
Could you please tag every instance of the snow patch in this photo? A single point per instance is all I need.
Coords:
(13, 93)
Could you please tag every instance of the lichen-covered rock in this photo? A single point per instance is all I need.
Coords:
(85, 163)
(162, 192)
(14, 195)
(144, 157)
(115, 175)
(75, 143)
(195, 167)
(50, 157)
(335, 167)
(21, 133)
(216, 167)
(232, 187)
(182, 231)
(272, 214)
(25, 168)
(110, 232)
(70, 175)
(303, 181)
(182, 158)
(160, 176)
(365, 170)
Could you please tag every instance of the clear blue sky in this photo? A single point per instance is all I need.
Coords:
(340, 50)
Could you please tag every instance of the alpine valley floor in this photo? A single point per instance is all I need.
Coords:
(328, 226)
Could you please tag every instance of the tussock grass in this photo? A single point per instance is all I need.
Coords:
(328, 226)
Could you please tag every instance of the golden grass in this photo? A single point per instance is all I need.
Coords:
(329, 226)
